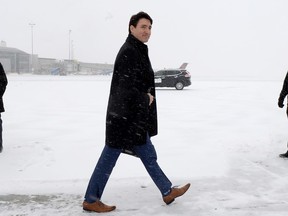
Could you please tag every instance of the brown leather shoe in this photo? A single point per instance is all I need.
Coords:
(97, 206)
(175, 192)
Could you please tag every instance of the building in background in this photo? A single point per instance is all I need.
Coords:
(17, 61)
(14, 60)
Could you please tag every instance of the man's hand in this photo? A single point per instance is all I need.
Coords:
(151, 98)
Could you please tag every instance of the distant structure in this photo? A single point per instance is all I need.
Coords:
(14, 60)
(3, 44)
(17, 61)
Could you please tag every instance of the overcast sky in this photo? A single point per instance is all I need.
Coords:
(213, 36)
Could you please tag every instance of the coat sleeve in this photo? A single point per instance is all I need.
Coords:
(284, 91)
(130, 80)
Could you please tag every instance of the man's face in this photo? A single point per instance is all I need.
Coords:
(142, 31)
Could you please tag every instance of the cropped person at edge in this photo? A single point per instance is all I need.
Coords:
(3, 84)
(282, 96)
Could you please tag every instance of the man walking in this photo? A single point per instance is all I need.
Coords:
(3, 84)
(283, 94)
(131, 117)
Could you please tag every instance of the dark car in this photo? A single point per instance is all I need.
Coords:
(178, 78)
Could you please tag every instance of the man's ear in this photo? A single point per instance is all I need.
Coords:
(131, 28)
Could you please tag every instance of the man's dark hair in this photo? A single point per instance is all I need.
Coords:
(136, 17)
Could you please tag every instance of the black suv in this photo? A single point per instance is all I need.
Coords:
(178, 78)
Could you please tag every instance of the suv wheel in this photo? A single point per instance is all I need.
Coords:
(179, 86)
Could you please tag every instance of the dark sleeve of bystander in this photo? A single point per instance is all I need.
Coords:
(283, 93)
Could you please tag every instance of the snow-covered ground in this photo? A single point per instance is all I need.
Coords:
(222, 136)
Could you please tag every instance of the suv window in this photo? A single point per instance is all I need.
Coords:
(172, 72)
(167, 72)
(159, 73)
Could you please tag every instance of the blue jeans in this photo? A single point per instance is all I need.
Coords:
(107, 161)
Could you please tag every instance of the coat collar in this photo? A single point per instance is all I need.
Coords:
(140, 45)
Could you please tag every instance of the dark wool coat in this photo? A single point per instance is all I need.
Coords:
(129, 116)
(284, 91)
(3, 84)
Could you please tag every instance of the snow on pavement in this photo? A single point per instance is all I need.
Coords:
(222, 136)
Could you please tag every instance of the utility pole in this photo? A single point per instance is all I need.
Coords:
(70, 44)
(32, 51)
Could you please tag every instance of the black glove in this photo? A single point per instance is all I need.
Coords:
(280, 104)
